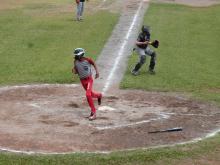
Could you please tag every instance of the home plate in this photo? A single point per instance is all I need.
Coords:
(106, 108)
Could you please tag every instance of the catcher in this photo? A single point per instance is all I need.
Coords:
(82, 67)
(142, 48)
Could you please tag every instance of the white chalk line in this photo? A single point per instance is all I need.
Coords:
(73, 85)
(3, 149)
(120, 54)
(195, 140)
(107, 127)
(161, 116)
(106, 108)
(35, 105)
(39, 107)
(5, 88)
(192, 114)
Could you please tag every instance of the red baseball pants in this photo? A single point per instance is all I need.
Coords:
(87, 84)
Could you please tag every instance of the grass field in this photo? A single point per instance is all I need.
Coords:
(37, 43)
(188, 58)
(39, 50)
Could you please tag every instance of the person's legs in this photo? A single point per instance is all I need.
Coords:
(97, 95)
(141, 61)
(87, 84)
(82, 9)
(152, 62)
(89, 96)
(153, 55)
(78, 11)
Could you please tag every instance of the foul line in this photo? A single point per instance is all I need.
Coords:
(120, 54)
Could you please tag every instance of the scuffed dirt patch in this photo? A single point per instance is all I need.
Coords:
(53, 118)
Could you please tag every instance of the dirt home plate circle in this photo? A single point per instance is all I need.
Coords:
(52, 119)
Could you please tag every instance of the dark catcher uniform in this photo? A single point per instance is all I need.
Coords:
(143, 49)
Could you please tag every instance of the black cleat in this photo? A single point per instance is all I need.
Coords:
(135, 73)
(100, 100)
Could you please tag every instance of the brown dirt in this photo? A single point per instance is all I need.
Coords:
(196, 3)
(52, 118)
(41, 8)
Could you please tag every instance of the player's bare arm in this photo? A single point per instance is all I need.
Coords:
(96, 70)
(74, 71)
(143, 43)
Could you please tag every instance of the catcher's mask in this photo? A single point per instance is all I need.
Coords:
(145, 29)
(78, 53)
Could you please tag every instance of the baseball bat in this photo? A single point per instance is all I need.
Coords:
(168, 130)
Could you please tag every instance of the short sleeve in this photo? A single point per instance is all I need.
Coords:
(90, 60)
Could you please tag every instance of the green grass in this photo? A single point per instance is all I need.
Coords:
(36, 46)
(188, 57)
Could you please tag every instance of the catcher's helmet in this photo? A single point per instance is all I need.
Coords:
(79, 52)
(145, 29)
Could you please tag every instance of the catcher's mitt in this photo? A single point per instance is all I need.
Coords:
(155, 43)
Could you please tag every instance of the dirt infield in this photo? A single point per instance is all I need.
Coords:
(196, 3)
(52, 119)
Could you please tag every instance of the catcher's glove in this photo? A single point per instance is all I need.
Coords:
(155, 43)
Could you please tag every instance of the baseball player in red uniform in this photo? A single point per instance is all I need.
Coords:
(82, 67)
